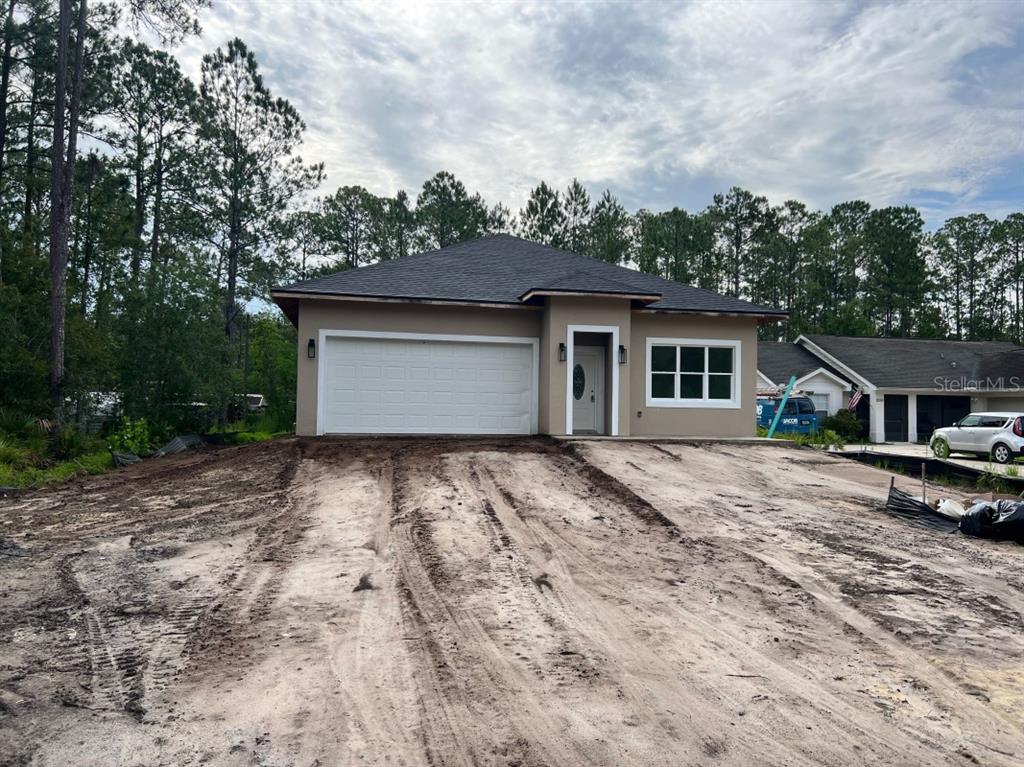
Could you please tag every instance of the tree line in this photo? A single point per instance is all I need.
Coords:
(144, 217)
(850, 270)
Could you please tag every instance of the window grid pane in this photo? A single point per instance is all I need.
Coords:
(691, 386)
(663, 385)
(719, 360)
(664, 359)
(692, 359)
(720, 386)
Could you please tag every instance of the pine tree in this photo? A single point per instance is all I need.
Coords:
(250, 142)
(740, 220)
(543, 220)
(897, 276)
(609, 230)
(576, 207)
(447, 214)
(963, 251)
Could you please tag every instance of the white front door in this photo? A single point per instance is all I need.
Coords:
(588, 390)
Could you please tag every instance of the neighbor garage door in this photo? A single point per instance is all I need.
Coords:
(403, 386)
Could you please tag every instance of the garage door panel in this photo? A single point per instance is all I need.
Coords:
(401, 386)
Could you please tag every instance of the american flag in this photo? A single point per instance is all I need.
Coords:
(854, 399)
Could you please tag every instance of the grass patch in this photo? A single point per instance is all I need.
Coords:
(245, 437)
(15, 475)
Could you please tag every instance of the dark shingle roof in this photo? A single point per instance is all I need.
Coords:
(915, 363)
(779, 361)
(501, 269)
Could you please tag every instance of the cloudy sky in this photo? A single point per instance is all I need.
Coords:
(663, 103)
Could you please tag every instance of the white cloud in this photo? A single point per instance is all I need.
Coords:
(664, 103)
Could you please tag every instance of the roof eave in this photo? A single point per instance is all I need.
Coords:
(303, 294)
(632, 295)
(835, 362)
(763, 316)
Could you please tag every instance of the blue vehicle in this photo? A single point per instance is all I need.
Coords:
(798, 416)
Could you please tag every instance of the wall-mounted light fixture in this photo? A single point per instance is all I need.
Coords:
(311, 348)
(562, 353)
(622, 354)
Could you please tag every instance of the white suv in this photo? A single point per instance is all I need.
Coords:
(999, 435)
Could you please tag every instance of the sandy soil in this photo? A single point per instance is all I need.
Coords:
(488, 602)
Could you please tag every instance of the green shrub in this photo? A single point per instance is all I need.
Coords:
(132, 436)
(32, 476)
(844, 423)
(14, 423)
(14, 455)
(824, 438)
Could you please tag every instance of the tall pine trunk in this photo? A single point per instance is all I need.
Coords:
(62, 179)
(234, 237)
(28, 209)
(5, 81)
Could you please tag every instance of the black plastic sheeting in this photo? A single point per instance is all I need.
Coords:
(998, 519)
(912, 510)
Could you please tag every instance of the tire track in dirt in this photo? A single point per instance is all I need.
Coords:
(615, 623)
(221, 628)
(837, 608)
(470, 671)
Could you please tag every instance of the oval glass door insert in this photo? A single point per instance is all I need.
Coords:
(579, 381)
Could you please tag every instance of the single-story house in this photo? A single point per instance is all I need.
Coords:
(909, 387)
(776, 362)
(501, 335)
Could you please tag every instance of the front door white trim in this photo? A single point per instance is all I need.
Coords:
(594, 405)
(612, 359)
(324, 334)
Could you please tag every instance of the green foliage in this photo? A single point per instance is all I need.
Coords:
(543, 218)
(273, 343)
(844, 423)
(609, 230)
(14, 455)
(822, 438)
(12, 475)
(576, 214)
(993, 481)
(131, 436)
(446, 213)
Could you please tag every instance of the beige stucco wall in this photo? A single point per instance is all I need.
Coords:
(717, 422)
(550, 325)
(1003, 402)
(565, 311)
(315, 315)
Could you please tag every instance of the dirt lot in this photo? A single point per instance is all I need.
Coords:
(501, 602)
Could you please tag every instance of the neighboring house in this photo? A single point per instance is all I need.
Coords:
(776, 362)
(910, 386)
(504, 336)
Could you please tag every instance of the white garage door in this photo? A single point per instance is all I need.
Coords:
(392, 386)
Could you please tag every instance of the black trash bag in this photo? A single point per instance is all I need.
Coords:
(1001, 519)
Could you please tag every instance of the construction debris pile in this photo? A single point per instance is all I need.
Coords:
(1001, 519)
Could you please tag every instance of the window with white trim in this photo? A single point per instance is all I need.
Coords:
(680, 373)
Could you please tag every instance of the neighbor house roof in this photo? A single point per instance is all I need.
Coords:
(779, 361)
(502, 269)
(916, 363)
